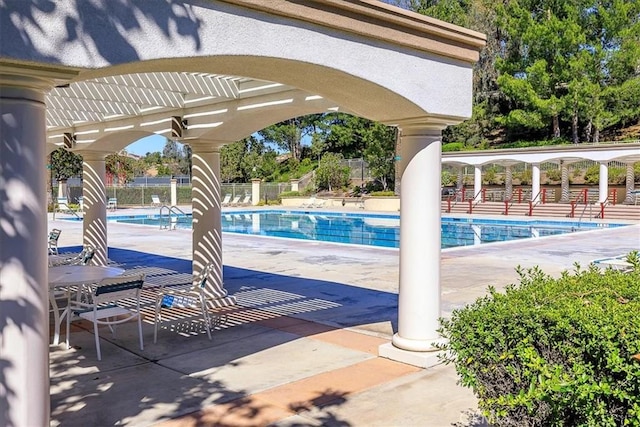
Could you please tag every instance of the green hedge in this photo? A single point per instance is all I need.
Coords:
(553, 351)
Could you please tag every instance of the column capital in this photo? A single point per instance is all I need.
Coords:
(92, 155)
(36, 77)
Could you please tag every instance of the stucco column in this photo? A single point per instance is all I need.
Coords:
(564, 183)
(295, 184)
(508, 182)
(207, 209)
(630, 185)
(94, 193)
(477, 183)
(419, 290)
(62, 189)
(174, 192)
(255, 191)
(603, 186)
(24, 304)
(535, 182)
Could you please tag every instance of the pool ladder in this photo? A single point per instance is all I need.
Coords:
(173, 216)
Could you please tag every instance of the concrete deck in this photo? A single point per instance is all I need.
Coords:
(301, 349)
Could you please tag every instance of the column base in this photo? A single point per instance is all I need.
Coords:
(421, 353)
(421, 359)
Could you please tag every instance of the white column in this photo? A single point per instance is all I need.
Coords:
(24, 305)
(255, 191)
(207, 209)
(630, 185)
(603, 186)
(94, 193)
(460, 182)
(508, 182)
(174, 192)
(564, 182)
(535, 182)
(419, 290)
(477, 183)
(295, 184)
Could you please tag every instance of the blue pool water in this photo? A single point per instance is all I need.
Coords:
(371, 229)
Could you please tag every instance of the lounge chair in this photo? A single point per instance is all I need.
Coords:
(52, 241)
(309, 203)
(81, 204)
(64, 207)
(205, 292)
(155, 201)
(226, 200)
(619, 263)
(246, 201)
(318, 203)
(112, 203)
(103, 308)
(235, 201)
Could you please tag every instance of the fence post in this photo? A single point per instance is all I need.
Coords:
(174, 192)
(255, 191)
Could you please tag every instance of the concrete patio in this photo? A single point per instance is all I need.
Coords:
(301, 348)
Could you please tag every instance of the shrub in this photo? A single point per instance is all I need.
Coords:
(382, 193)
(553, 352)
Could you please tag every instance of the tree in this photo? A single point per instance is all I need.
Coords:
(65, 164)
(289, 134)
(119, 166)
(330, 173)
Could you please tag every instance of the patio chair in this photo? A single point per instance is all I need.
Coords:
(318, 203)
(103, 308)
(64, 207)
(81, 204)
(155, 200)
(246, 201)
(206, 293)
(235, 201)
(52, 241)
(309, 203)
(226, 200)
(112, 203)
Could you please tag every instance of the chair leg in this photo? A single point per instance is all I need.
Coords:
(157, 319)
(97, 337)
(140, 330)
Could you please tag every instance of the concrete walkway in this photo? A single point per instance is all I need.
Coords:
(301, 348)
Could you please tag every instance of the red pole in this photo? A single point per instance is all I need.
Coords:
(615, 195)
(585, 197)
(573, 209)
(601, 210)
(520, 195)
(484, 194)
(530, 208)
(506, 207)
(544, 196)
(470, 206)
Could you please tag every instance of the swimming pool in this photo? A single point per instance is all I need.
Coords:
(371, 229)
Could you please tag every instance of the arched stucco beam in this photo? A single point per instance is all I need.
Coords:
(112, 143)
(382, 99)
(241, 124)
(423, 66)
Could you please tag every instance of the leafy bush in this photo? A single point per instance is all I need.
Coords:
(592, 174)
(453, 146)
(382, 193)
(553, 352)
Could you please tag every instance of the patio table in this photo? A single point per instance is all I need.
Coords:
(62, 277)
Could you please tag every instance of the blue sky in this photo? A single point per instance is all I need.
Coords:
(150, 144)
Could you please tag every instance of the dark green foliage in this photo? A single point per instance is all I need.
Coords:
(65, 164)
(553, 351)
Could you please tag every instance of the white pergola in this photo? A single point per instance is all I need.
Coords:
(99, 75)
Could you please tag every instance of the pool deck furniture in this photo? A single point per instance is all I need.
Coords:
(155, 201)
(65, 277)
(52, 241)
(112, 204)
(205, 292)
(103, 308)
